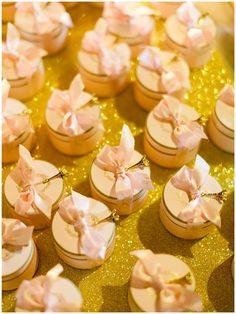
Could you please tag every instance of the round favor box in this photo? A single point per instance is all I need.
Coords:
(148, 90)
(159, 145)
(72, 145)
(99, 84)
(8, 11)
(54, 190)
(66, 242)
(175, 38)
(101, 182)
(174, 200)
(10, 151)
(221, 126)
(144, 300)
(166, 8)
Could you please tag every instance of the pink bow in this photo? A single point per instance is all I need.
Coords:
(15, 233)
(186, 133)
(116, 159)
(30, 198)
(13, 124)
(198, 35)
(191, 181)
(46, 16)
(159, 61)
(22, 54)
(76, 120)
(37, 295)
(227, 95)
(171, 295)
(75, 210)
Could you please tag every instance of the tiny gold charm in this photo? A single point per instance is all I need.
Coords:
(221, 196)
(141, 164)
(115, 217)
(202, 17)
(185, 279)
(61, 174)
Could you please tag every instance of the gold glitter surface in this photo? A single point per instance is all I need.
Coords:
(105, 288)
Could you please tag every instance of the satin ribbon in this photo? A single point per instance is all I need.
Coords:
(191, 181)
(171, 297)
(37, 295)
(227, 95)
(25, 56)
(75, 210)
(46, 16)
(76, 119)
(13, 124)
(198, 34)
(30, 199)
(15, 233)
(116, 159)
(185, 133)
(156, 60)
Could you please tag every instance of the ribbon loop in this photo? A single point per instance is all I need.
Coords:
(15, 233)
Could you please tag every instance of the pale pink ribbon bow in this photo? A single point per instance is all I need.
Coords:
(186, 133)
(24, 55)
(15, 233)
(154, 59)
(116, 159)
(198, 34)
(227, 95)
(75, 210)
(45, 15)
(13, 124)
(30, 199)
(76, 119)
(37, 295)
(171, 297)
(191, 181)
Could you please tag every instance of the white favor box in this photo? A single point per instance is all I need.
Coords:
(175, 38)
(166, 8)
(95, 82)
(221, 126)
(10, 151)
(8, 11)
(159, 145)
(54, 190)
(66, 240)
(174, 200)
(148, 90)
(144, 300)
(101, 182)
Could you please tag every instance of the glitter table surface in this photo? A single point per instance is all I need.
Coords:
(105, 288)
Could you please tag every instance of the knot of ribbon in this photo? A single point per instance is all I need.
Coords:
(163, 63)
(116, 160)
(37, 295)
(227, 95)
(76, 120)
(46, 15)
(172, 292)
(199, 30)
(30, 198)
(191, 181)
(75, 210)
(24, 55)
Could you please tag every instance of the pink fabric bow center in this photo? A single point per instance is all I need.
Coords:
(15, 233)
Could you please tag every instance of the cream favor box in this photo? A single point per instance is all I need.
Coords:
(166, 9)
(83, 231)
(19, 253)
(162, 283)
(191, 202)
(74, 124)
(159, 73)
(8, 11)
(191, 33)
(44, 24)
(49, 293)
(172, 134)
(221, 122)
(131, 23)
(120, 176)
(103, 64)
(16, 126)
(22, 65)
(33, 189)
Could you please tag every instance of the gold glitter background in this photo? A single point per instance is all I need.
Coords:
(105, 288)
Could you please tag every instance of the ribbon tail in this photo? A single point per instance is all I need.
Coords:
(211, 213)
(43, 203)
